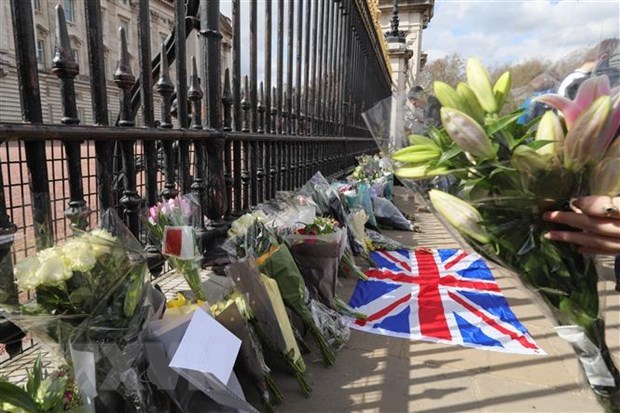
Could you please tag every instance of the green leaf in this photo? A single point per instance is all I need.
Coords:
(35, 377)
(440, 137)
(502, 123)
(51, 393)
(539, 143)
(16, 396)
(552, 291)
(450, 153)
(80, 295)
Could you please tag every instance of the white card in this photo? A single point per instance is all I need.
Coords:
(207, 347)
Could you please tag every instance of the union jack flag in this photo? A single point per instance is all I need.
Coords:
(440, 295)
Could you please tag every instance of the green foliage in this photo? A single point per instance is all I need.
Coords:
(43, 392)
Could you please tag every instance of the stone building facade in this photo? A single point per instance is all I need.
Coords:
(407, 58)
(114, 13)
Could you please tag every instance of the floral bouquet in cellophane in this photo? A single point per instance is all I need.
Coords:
(90, 306)
(250, 236)
(318, 248)
(172, 224)
(499, 177)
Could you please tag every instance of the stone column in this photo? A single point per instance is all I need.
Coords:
(413, 16)
(400, 57)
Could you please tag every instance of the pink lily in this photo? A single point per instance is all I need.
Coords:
(589, 92)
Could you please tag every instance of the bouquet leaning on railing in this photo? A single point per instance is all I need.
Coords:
(90, 306)
(269, 316)
(249, 236)
(501, 177)
(318, 248)
(172, 224)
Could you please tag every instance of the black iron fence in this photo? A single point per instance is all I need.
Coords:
(239, 139)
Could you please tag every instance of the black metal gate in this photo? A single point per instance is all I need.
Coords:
(236, 143)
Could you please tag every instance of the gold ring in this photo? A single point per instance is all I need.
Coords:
(610, 209)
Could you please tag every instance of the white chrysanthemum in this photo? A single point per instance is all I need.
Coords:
(26, 273)
(79, 255)
(54, 267)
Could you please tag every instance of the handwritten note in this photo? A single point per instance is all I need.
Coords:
(207, 347)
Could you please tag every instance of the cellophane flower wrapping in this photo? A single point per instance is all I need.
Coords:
(162, 336)
(279, 264)
(234, 313)
(318, 249)
(492, 178)
(172, 224)
(269, 315)
(89, 307)
(330, 202)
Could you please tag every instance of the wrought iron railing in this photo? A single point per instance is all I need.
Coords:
(237, 143)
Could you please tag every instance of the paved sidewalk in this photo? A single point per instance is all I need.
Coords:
(376, 373)
(379, 374)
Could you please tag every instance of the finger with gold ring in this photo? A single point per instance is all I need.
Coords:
(610, 209)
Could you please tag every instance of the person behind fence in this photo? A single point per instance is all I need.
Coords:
(423, 111)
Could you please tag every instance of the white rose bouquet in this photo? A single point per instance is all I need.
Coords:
(90, 297)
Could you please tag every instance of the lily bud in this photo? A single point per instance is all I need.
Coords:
(549, 129)
(420, 153)
(419, 139)
(471, 101)
(447, 96)
(501, 89)
(480, 82)
(461, 215)
(420, 172)
(528, 160)
(580, 145)
(467, 133)
(605, 176)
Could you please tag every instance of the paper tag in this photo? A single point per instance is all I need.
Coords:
(179, 242)
(207, 347)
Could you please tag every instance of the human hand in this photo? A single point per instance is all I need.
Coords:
(598, 218)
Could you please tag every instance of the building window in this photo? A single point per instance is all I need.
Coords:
(82, 115)
(162, 38)
(124, 2)
(125, 25)
(75, 54)
(36, 5)
(41, 52)
(69, 15)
